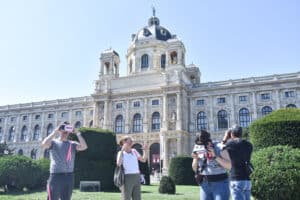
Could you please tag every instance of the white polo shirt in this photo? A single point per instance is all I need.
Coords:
(130, 162)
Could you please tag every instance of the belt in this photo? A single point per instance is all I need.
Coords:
(215, 178)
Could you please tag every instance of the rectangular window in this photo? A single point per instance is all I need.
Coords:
(1, 120)
(78, 113)
(91, 112)
(50, 116)
(37, 117)
(136, 104)
(243, 98)
(64, 114)
(200, 102)
(221, 100)
(265, 96)
(155, 102)
(25, 117)
(119, 105)
(12, 119)
(289, 94)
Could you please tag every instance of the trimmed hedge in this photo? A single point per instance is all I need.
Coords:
(18, 172)
(43, 165)
(97, 163)
(277, 173)
(167, 185)
(180, 170)
(281, 127)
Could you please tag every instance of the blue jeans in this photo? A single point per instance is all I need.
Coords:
(240, 190)
(215, 190)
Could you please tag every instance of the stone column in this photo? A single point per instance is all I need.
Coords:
(166, 153)
(232, 113)
(96, 114)
(254, 106)
(179, 146)
(165, 112)
(178, 112)
(277, 99)
(106, 120)
(127, 119)
(17, 129)
(145, 120)
(43, 132)
(29, 129)
(211, 110)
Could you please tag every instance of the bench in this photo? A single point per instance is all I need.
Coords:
(89, 186)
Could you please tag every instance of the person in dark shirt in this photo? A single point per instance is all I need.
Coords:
(240, 155)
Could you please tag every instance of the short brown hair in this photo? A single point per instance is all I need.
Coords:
(124, 139)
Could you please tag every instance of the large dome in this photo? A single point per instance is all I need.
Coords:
(153, 31)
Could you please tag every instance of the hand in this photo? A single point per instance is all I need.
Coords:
(145, 147)
(194, 155)
(211, 151)
(226, 136)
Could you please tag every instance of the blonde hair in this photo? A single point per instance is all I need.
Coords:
(124, 139)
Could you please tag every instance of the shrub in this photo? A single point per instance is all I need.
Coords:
(180, 170)
(277, 173)
(97, 163)
(43, 165)
(167, 185)
(281, 127)
(18, 172)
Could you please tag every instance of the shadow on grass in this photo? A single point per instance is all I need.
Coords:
(18, 193)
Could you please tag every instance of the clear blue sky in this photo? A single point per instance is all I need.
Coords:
(50, 49)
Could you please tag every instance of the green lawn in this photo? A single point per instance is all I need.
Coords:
(148, 193)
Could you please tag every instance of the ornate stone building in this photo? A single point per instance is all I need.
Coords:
(160, 101)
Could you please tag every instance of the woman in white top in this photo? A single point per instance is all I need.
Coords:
(129, 157)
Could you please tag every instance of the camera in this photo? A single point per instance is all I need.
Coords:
(67, 128)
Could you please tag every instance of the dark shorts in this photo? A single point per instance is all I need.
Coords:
(60, 186)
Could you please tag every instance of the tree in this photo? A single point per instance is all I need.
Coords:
(5, 150)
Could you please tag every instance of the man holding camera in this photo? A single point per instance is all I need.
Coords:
(62, 156)
(240, 155)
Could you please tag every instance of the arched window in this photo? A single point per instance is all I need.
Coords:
(130, 66)
(33, 154)
(11, 134)
(291, 106)
(201, 121)
(36, 132)
(119, 124)
(145, 61)
(155, 121)
(137, 123)
(163, 61)
(266, 110)
(20, 152)
(244, 117)
(78, 124)
(91, 124)
(106, 67)
(49, 129)
(173, 56)
(222, 119)
(24, 133)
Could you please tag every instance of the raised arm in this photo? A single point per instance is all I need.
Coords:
(223, 159)
(145, 154)
(46, 143)
(82, 143)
